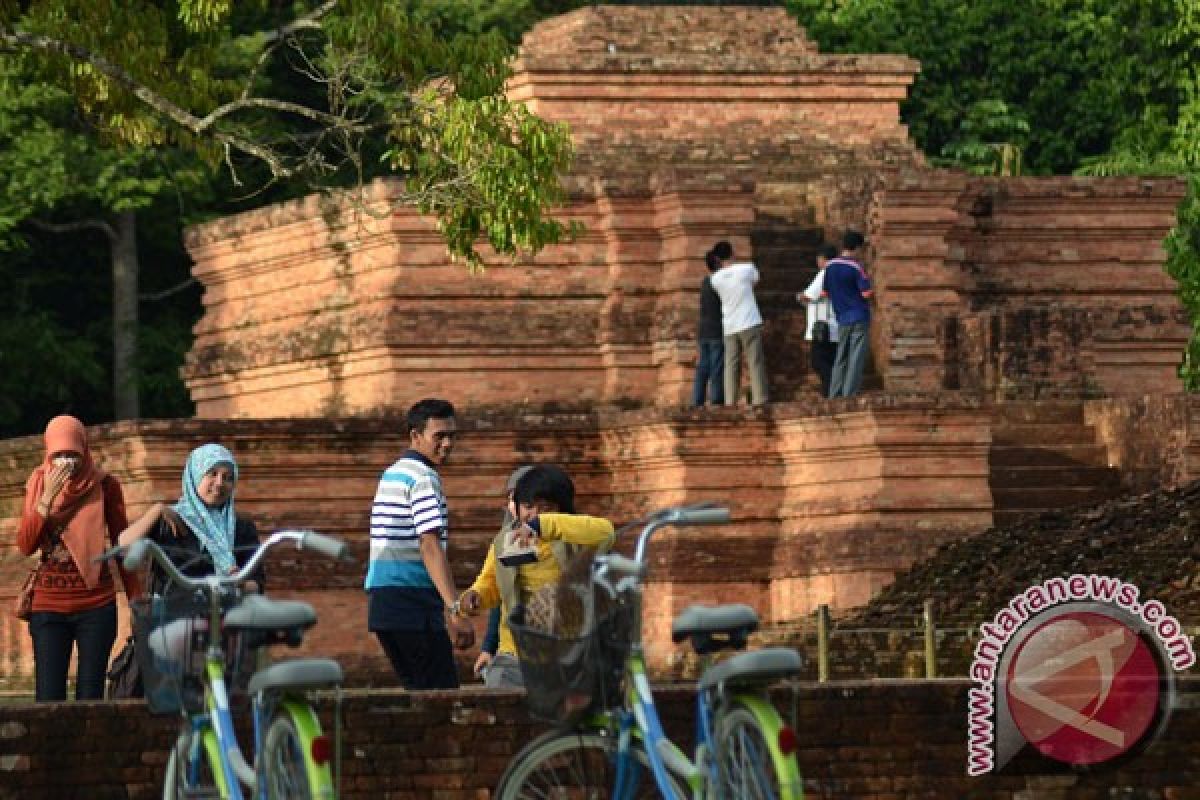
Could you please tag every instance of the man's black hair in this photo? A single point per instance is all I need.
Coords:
(712, 261)
(852, 240)
(723, 250)
(828, 251)
(427, 409)
(548, 484)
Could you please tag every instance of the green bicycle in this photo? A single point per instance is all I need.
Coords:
(184, 664)
(610, 742)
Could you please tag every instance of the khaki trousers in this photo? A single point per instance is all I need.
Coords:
(749, 340)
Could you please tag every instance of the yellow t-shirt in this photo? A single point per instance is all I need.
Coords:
(570, 528)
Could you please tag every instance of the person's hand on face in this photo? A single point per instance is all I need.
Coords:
(64, 465)
(216, 486)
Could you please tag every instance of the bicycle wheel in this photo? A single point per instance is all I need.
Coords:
(176, 783)
(285, 768)
(749, 764)
(580, 766)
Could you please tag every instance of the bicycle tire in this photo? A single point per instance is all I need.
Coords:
(176, 785)
(749, 763)
(577, 765)
(285, 764)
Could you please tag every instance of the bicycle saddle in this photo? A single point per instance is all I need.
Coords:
(761, 666)
(299, 673)
(713, 628)
(256, 612)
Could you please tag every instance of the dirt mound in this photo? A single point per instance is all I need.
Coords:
(1151, 541)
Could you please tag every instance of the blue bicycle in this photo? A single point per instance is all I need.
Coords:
(610, 742)
(181, 644)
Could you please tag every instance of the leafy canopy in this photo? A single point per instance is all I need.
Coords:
(321, 93)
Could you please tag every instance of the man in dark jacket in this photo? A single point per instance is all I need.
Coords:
(710, 370)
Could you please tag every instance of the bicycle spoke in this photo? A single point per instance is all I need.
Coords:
(574, 767)
(746, 763)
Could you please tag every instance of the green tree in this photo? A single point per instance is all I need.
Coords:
(198, 73)
(116, 101)
(62, 180)
(1104, 87)
(1161, 135)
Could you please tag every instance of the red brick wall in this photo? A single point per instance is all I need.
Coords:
(877, 740)
(827, 502)
(688, 74)
(1025, 287)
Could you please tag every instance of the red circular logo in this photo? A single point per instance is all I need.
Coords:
(1083, 688)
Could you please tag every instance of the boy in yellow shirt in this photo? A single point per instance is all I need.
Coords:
(544, 508)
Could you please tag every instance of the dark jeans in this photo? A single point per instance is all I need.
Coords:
(54, 635)
(851, 359)
(422, 659)
(823, 356)
(710, 373)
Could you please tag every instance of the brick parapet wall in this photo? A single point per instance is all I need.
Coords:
(871, 740)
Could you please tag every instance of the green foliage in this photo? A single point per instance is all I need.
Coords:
(55, 341)
(991, 137)
(1100, 87)
(114, 105)
(308, 91)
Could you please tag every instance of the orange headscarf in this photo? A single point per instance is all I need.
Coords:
(79, 508)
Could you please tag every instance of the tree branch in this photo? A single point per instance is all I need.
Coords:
(309, 21)
(159, 103)
(72, 227)
(165, 293)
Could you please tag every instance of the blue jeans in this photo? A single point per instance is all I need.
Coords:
(710, 373)
(55, 635)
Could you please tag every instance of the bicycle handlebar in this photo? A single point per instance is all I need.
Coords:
(630, 571)
(700, 514)
(136, 554)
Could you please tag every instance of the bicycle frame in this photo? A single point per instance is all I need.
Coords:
(639, 716)
(213, 735)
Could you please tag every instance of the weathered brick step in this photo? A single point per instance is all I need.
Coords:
(1045, 434)
(1063, 455)
(1038, 413)
(1067, 476)
(1049, 498)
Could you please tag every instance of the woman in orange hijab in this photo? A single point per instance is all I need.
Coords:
(73, 513)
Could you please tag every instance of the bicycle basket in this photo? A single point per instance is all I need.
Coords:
(567, 677)
(170, 640)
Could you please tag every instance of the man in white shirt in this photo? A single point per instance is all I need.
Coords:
(741, 323)
(822, 350)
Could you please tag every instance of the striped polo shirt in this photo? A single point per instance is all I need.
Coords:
(409, 503)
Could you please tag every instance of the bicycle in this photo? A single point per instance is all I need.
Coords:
(595, 686)
(293, 755)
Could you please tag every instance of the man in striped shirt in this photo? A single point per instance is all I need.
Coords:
(411, 598)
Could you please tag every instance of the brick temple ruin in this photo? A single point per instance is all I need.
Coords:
(1025, 343)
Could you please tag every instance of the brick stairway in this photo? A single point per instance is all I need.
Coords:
(1044, 457)
(785, 253)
